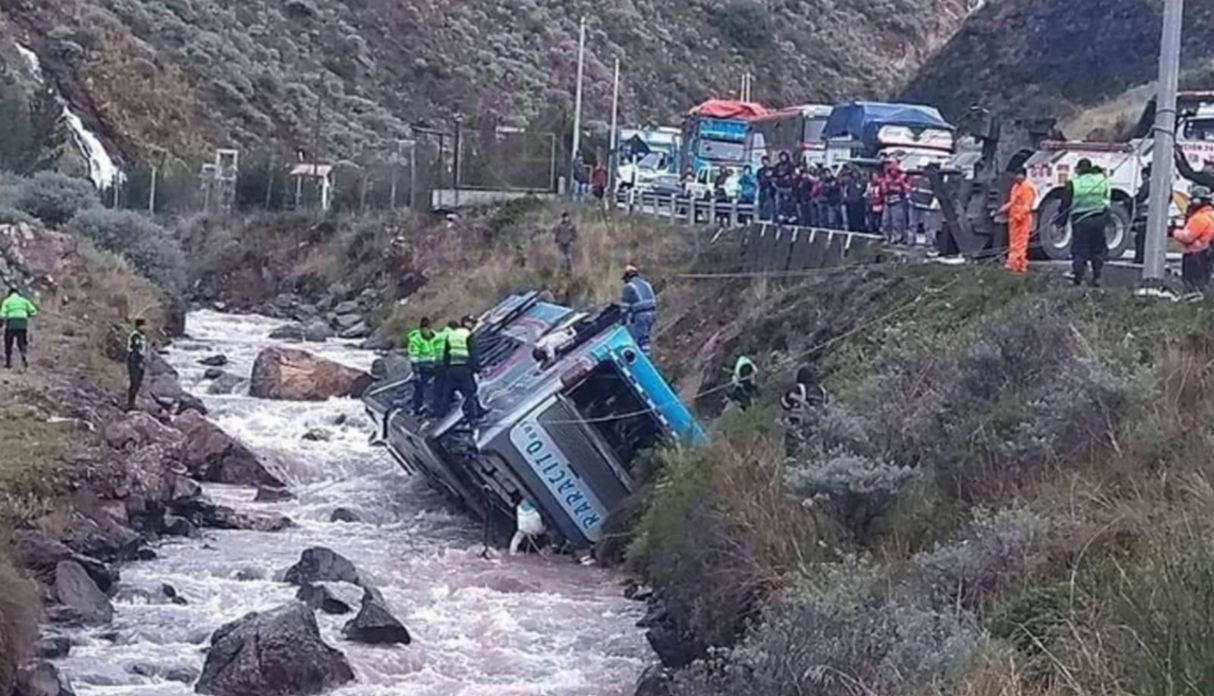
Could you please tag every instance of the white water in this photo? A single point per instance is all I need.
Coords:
(524, 625)
(103, 171)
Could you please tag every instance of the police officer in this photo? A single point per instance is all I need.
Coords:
(422, 357)
(640, 307)
(1089, 196)
(16, 311)
(459, 364)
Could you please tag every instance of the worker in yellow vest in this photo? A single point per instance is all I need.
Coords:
(16, 311)
(459, 366)
(423, 356)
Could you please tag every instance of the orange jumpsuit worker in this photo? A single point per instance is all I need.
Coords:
(1019, 211)
(1195, 237)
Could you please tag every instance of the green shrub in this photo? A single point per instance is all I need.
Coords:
(54, 198)
(144, 244)
(744, 22)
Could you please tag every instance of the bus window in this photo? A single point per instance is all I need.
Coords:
(610, 406)
(719, 150)
(813, 130)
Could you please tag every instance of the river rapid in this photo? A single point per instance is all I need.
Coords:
(526, 625)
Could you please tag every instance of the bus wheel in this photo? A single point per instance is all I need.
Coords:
(1052, 241)
(1118, 234)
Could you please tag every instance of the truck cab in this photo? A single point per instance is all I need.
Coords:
(565, 427)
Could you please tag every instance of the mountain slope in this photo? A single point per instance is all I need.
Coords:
(186, 75)
(1055, 57)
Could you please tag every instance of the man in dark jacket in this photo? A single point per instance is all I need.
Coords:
(136, 362)
(767, 189)
(783, 175)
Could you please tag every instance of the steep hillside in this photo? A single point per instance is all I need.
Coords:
(1056, 57)
(188, 74)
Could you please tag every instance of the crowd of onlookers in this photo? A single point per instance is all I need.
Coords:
(880, 201)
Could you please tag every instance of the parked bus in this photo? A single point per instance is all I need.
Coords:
(717, 134)
(796, 130)
(564, 432)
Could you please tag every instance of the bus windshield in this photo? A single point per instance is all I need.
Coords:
(813, 130)
(717, 150)
(609, 405)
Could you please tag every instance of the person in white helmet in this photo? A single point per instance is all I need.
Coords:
(640, 307)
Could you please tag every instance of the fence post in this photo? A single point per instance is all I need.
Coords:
(733, 213)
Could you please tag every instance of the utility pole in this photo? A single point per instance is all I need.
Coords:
(613, 158)
(577, 107)
(395, 166)
(270, 181)
(1165, 140)
(152, 190)
(413, 174)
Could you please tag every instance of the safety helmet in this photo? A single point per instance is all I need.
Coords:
(631, 271)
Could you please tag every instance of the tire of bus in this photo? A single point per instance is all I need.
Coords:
(1054, 242)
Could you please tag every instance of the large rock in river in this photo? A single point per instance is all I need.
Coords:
(42, 555)
(274, 653)
(210, 454)
(375, 624)
(76, 591)
(319, 564)
(297, 375)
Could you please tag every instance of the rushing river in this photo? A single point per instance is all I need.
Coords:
(526, 625)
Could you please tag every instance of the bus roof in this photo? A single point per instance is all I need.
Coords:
(804, 110)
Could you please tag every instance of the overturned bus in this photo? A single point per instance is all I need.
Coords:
(571, 402)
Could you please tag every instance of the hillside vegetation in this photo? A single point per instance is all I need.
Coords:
(1009, 493)
(183, 75)
(1029, 58)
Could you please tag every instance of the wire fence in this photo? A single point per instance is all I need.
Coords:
(399, 177)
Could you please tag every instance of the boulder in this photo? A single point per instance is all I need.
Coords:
(274, 653)
(342, 514)
(293, 333)
(380, 343)
(225, 384)
(667, 642)
(655, 681)
(214, 361)
(317, 331)
(392, 366)
(359, 330)
(138, 430)
(41, 679)
(213, 373)
(269, 494)
(223, 517)
(347, 321)
(347, 307)
(106, 541)
(296, 375)
(319, 564)
(76, 591)
(53, 647)
(178, 526)
(210, 454)
(42, 555)
(167, 392)
(319, 598)
(318, 435)
(375, 624)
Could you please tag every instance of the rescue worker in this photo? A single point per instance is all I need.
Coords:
(1019, 212)
(565, 235)
(640, 307)
(743, 383)
(459, 366)
(1088, 197)
(136, 362)
(529, 526)
(1195, 237)
(438, 386)
(422, 358)
(802, 404)
(16, 311)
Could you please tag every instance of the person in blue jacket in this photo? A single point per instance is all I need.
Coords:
(640, 307)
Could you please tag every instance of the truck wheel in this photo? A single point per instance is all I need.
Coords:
(1052, 241)
(1118, 233)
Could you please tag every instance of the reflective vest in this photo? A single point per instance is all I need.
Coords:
(639, 297)
(17, 307)
(422, 350)
(1198, 231)
(457, 346)
(1091, 194)
(744, 372)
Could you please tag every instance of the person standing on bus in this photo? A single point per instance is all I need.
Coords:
(1088, 198)
(1019, 211)
(640, 307)
(459, 363)
(422, 359)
